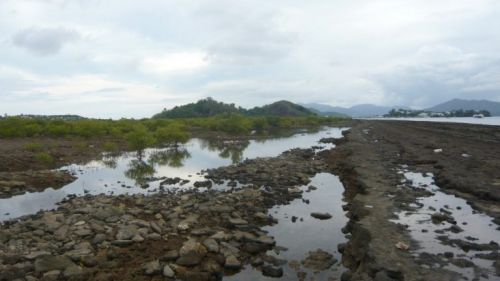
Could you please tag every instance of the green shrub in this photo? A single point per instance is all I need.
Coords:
(172, 134)
(33, 147)
(44, 158)
(140, 139)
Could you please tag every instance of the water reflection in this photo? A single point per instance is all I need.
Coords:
(140, 171)
(107, 175)
(110, 162)
(227, 149)
(173, 157)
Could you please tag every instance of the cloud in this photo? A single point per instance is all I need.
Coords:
(440, 72)
(175, 63)
(44, 41)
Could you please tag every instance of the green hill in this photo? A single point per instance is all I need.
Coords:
(209, 107)
(202, 108)
(280, 108)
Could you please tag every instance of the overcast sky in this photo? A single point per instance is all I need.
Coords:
(124, 58)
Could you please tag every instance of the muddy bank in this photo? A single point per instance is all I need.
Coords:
(463, 159)
(165, 236)
(16, 183)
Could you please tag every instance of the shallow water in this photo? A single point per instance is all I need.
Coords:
(130, 173)
(475, 225)
(307, 235)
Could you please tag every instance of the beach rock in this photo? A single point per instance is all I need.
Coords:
(271, 271)
(319, 260)
(321, 216)
(168, 272)
(211, 245)
(50, 263)
(232, 263)
(152, 268)
(191, 253)
(126, 232)
(52, 275)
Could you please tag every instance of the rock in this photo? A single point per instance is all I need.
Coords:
(52, 275)
(168, 272)
(321, 216)
(138, 238)
(35, 255)
(122, 243)
(73, 271)
(155, 227)
(183, 226)
(170, 255)
(232, 263)
(126, 232)
(237, 221)
(462, 263)
(206, 183)
(402, 246)
(211, 245)
(191, 253)
(49, 263)
(319, 260)
(152, 268)
(271, 271)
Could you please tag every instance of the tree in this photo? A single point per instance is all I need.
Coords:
(140, 139)
(173, 134)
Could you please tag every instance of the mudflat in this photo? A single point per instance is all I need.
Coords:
(464, 160)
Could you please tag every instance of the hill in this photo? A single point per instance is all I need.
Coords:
(362, 110)
(202, 108)
(209, 107)
(280, 108)
(456, 104)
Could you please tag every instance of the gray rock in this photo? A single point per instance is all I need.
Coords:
(191, 253)
(35, 255)
(321, 216)
(237, 221)
(126, 232)
(170, 255)
(211, 245)
(271, 271)
(232, 263)
(49, 263)
(152, 268)
(52, 275)
(122, 243)
(168, 272)
(73, 271)
(155, 227)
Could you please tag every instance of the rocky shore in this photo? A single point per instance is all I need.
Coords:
(166, 236)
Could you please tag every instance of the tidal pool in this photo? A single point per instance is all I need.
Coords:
(134, 172)
(307, 233)
(434, 237)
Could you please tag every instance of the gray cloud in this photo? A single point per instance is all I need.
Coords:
(44, 41)
(439, 73)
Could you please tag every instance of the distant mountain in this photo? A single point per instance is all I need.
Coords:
(280, 108)
(209, 107)
(361, 110)
(456, 104)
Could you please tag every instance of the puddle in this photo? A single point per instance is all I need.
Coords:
(130, 174)
(307, 235)
(475, 227)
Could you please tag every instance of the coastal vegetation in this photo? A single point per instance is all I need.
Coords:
(168, 128)
(426, 113)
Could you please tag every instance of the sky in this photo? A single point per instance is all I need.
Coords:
(124, 58)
